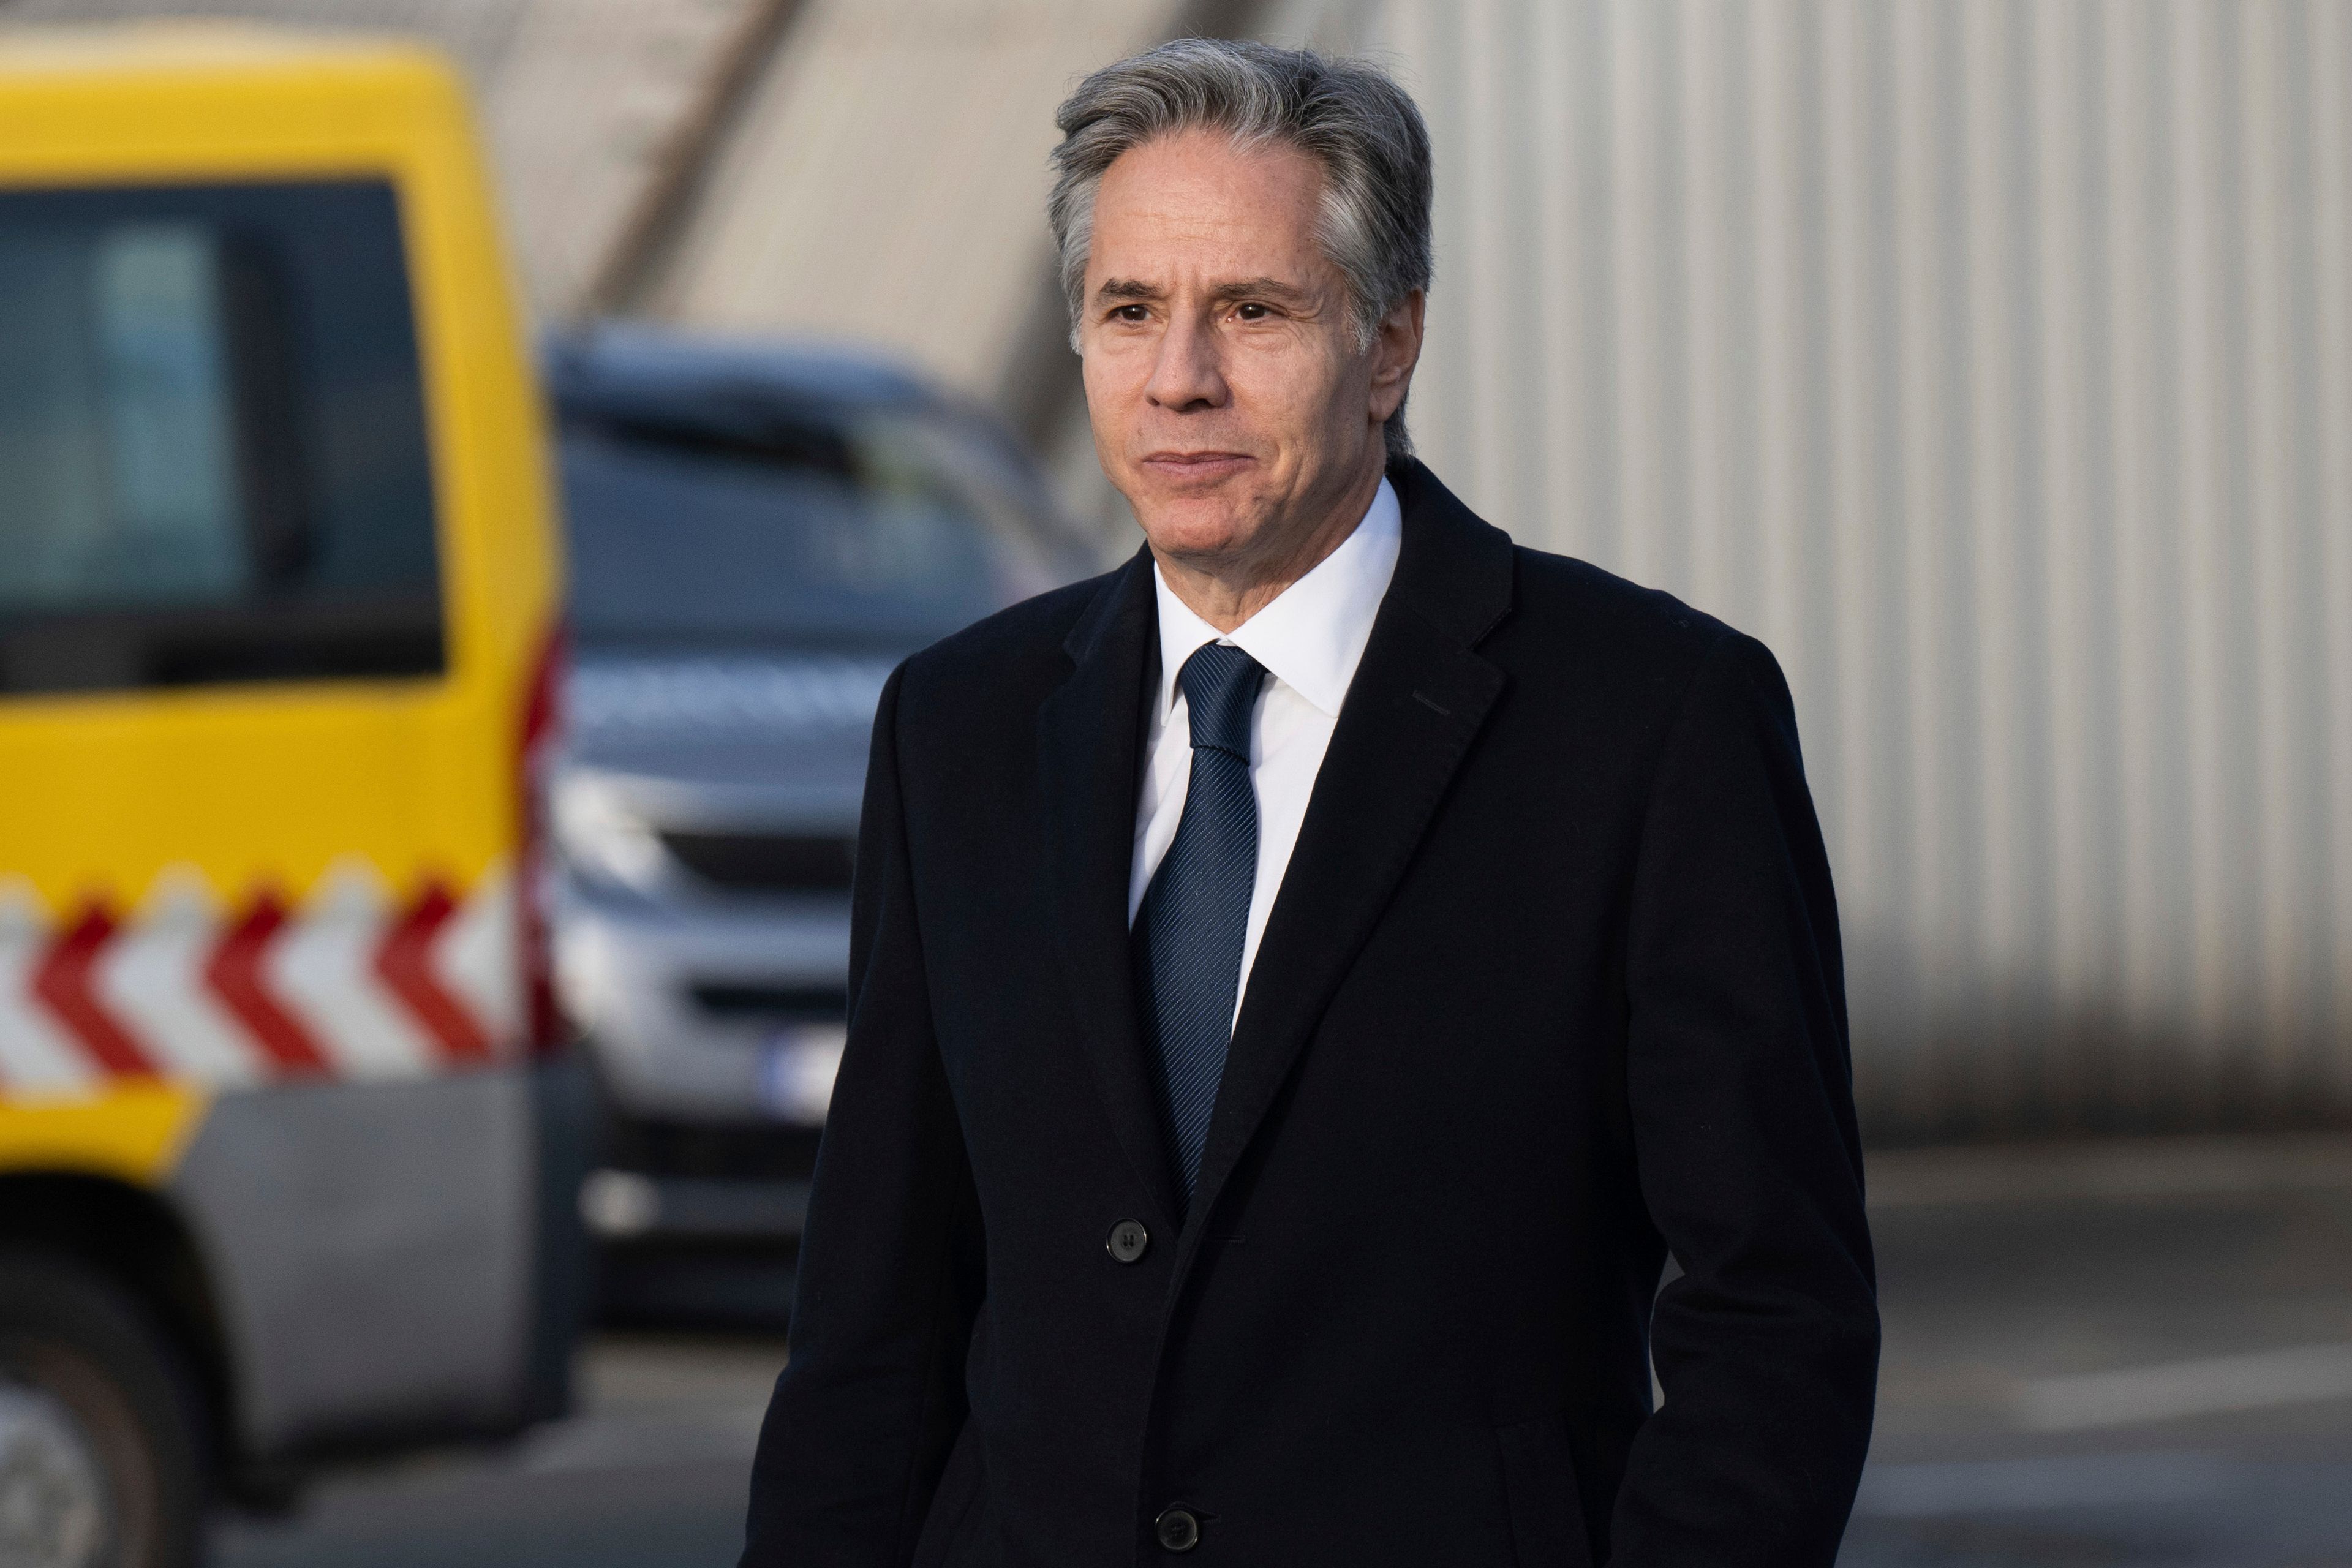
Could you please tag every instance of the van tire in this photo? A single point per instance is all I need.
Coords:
(87, 1352)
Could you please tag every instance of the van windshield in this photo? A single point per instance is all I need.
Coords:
(869, 530)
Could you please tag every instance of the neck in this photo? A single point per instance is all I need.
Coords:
(1225, 592)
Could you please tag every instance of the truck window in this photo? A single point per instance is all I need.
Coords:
(213, 462)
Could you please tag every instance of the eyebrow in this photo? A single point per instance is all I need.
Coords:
(1267, 288)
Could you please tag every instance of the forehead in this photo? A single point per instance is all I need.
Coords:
(1195, 197)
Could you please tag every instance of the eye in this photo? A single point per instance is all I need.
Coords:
(1130, 313)
(1251, 310)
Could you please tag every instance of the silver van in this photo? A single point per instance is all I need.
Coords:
(758, 535)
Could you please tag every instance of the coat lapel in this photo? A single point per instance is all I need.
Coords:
(1089, 747)
(1416, 702)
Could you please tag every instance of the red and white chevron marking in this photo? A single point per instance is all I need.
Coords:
(350, 983)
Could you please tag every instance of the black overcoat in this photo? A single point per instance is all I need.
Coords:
(1552, 986)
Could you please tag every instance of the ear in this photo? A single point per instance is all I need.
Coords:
(1395, 351)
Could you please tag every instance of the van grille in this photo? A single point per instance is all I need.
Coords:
(766, 862)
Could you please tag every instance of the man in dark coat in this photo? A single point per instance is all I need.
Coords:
(1307, 982)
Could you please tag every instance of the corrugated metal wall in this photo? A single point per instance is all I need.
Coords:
(1994, 361)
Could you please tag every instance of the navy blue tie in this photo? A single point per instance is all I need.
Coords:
(1195, 913)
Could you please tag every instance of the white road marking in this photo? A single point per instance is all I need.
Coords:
(2063, 1480)
(2261, 1380)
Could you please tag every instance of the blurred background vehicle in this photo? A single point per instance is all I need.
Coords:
(758, 534)
(287, 1150)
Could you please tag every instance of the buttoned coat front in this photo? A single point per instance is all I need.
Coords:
(1552, 988)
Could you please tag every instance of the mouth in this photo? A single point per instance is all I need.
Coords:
(1196, 467)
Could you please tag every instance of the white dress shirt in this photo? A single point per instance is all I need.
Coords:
(1310, 639)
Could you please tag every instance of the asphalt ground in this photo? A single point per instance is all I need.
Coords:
(2119, 1353)
(2135, 1353)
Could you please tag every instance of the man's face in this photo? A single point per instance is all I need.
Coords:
(1230, 402)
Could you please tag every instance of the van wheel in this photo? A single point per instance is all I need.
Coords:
(101, 1457)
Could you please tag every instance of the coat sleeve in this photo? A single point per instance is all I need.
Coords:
(872, 1398)
(1742, 1106)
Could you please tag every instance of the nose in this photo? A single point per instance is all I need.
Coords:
(1188, 376)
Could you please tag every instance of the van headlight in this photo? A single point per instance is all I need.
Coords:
(603, 839)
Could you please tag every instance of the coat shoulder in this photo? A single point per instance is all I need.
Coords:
(1641, 630)
(1642, 655)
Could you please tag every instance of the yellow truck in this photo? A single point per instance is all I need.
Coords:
(283, 1106)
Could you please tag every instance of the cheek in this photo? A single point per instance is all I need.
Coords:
(1290, 388)
(1113, 383)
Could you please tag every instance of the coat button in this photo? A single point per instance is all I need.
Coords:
(1127, 1240)
(1177, 1529)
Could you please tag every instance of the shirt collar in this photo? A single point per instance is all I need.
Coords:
(1312, 635)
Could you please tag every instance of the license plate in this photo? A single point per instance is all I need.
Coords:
(797, 1064)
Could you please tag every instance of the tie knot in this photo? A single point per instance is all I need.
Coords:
(1220, 684)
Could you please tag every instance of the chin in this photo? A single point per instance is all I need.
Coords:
(1197, 525)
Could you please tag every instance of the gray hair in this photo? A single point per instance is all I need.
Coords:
(1349, 115)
